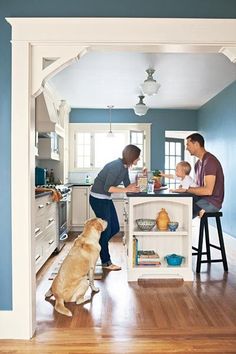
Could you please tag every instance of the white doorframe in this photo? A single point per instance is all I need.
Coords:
(67, 39)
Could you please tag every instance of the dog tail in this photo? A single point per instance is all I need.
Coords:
(60, 307)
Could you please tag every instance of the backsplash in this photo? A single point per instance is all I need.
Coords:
(81, 177)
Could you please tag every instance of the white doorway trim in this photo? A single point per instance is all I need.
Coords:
(36, 38)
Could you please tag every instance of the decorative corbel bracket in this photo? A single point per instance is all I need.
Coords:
(229, 52)
(49, 60)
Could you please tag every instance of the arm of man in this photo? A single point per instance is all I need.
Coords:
(207, 189)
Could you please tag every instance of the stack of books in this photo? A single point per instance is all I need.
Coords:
(148, 258)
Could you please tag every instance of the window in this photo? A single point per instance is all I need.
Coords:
(137, 138)
(91, 147)
(82, 150)
(108, 148)
(174, 153)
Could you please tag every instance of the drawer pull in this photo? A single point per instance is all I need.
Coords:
(37, 257)
(41, 206)
(37, 230)
(51, 242)
(50, 220)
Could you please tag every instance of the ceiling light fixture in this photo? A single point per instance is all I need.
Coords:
(150, 86)
(140, 108)
(110, 133)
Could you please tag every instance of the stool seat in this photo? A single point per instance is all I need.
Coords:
(204, 231)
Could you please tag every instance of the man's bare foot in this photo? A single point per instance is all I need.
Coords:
(201, 213)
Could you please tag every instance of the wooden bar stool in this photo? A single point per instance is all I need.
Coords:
(199, 253)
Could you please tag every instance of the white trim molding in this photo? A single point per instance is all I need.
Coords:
(63, 40)
(103, 127)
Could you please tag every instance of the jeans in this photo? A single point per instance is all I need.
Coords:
(105, 209)
(201, 203)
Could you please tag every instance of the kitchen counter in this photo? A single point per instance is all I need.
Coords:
(163, 242)
(160, 193)
(78, 185)
(41, 194)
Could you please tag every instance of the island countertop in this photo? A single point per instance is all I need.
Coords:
(160, 193)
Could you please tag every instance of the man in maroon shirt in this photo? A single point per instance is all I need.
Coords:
(209, 177)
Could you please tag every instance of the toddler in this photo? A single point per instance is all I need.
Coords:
(182, 171)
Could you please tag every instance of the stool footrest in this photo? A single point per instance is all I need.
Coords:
(195, 254)
(214, 246)
(212, 261)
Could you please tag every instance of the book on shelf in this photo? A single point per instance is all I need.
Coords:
(155, 264)
(148, 254)
(148, 259)
(135, 250)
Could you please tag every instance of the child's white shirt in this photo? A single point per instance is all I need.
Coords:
(186, 182)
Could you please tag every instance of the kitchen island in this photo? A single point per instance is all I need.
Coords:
(163, 243)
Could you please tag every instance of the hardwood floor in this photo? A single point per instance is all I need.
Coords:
(141, 317)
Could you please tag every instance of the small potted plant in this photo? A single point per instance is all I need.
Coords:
(157, 179)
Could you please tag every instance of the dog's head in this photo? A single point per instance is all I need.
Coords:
(96, 223)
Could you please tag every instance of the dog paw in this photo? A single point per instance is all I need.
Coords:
(82, 300)
(94, 288)
(48, 293)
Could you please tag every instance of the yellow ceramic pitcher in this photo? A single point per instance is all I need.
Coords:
(162, 220)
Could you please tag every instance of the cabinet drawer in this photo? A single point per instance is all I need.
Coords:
(46, 229)
(50, 207)
(38, 255)
(39, 207)
(50, 223)
(39, 225)
(49, 243)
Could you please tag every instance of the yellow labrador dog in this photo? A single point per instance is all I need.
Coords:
(76, 273)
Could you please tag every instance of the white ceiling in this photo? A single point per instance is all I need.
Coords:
(187, 80)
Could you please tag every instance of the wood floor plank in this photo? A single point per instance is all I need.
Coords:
(148, 316)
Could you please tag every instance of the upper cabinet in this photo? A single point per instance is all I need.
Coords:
(48, 146)
(51, 132)
(51, 112)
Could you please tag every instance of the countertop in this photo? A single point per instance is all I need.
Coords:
(160, 193)
(78, 185)
(42, 194)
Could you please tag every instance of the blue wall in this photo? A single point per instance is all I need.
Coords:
(217, 122)
(161, 119)
(64, 8)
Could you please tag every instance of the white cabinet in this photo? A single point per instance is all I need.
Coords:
(119, 205)
(64, 111)
(47, 110)
(79, 205)
(46, 229)
(69, 211)
(81, 210)
(48, 147)
(162, 242)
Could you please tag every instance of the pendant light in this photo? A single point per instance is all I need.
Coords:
(150, 86)
(140, 108)
(110, 133)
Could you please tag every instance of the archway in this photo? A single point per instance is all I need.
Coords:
(65, 40)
